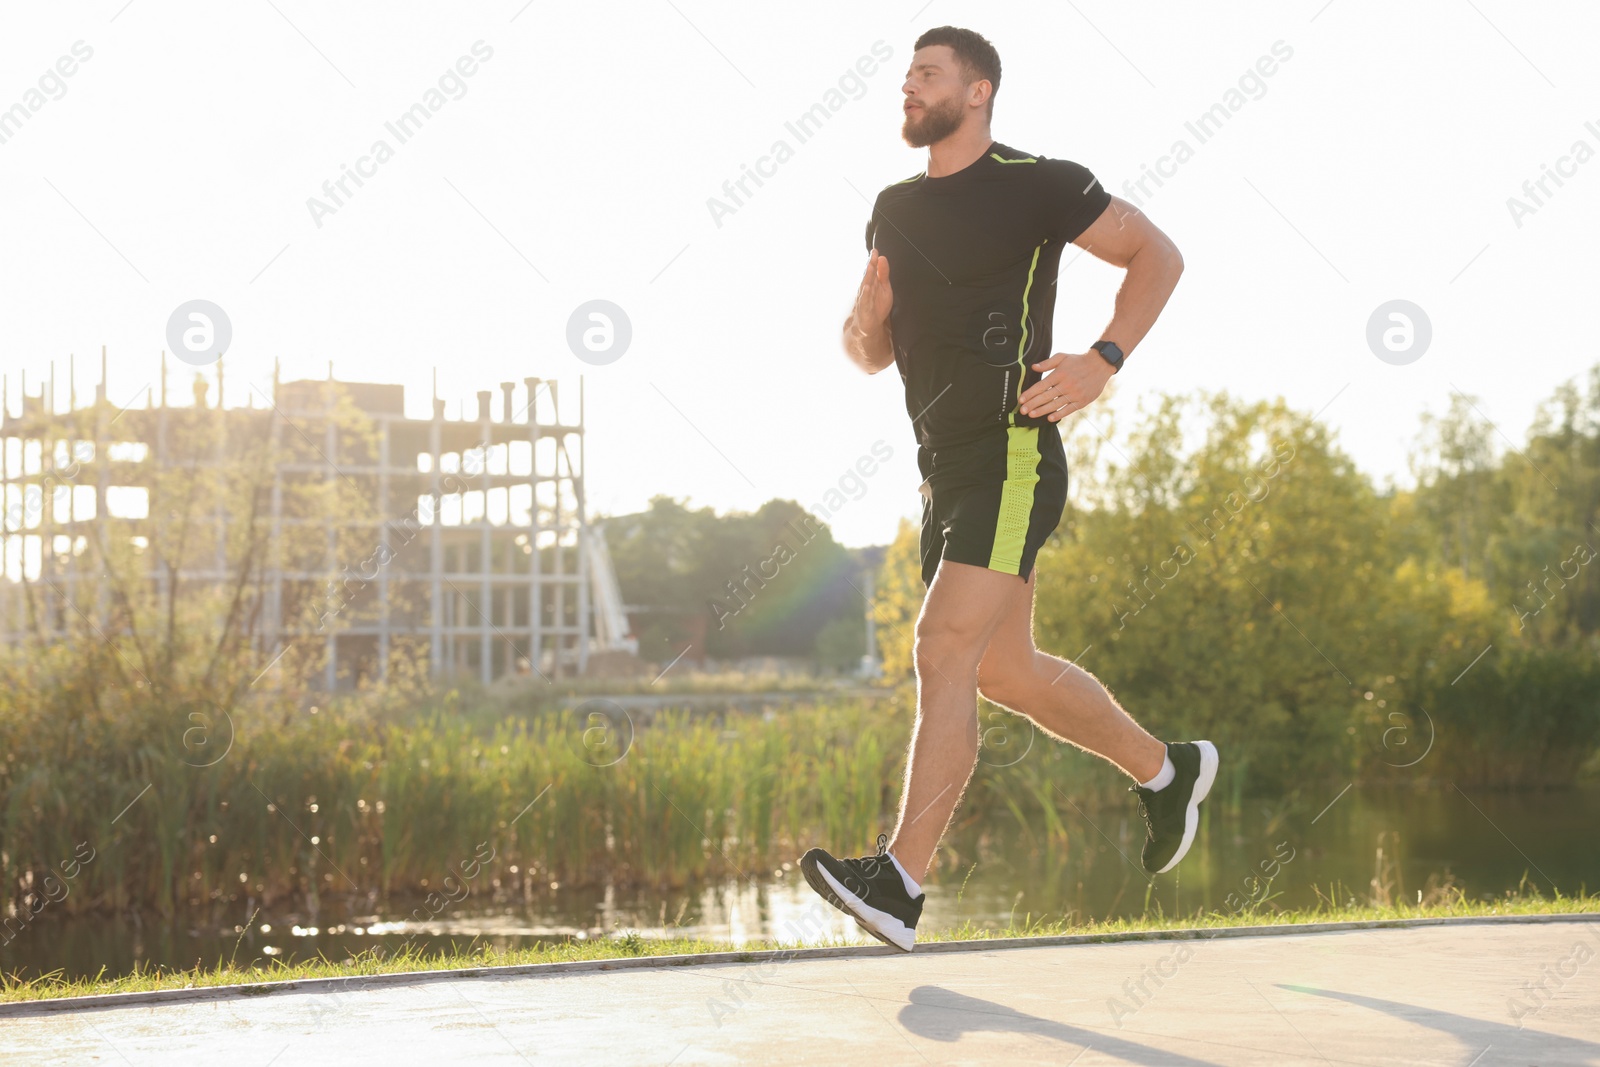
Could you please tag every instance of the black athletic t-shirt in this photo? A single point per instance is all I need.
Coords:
(973, 258)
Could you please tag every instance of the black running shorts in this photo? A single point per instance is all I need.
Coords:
(991, 503)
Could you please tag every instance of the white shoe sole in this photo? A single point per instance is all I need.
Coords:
(879, 924)
(1202, 787)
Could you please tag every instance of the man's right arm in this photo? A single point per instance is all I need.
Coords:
(867, 338)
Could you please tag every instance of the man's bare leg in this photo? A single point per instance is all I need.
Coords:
(1062, 698)
(964, 607)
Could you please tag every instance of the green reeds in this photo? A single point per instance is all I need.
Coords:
(359, 798)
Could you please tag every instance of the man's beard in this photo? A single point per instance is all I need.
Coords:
(938, 122)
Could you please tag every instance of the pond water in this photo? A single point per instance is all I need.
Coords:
(1391, 843)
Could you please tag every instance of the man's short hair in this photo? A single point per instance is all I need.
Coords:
(978, 58)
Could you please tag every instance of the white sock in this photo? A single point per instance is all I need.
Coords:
(911, 886)
(1163, 777)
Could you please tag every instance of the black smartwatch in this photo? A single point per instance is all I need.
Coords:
(1110, 353)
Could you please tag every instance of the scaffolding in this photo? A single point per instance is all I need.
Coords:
(471, 538)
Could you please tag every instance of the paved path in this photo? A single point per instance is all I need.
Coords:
(1448, 994)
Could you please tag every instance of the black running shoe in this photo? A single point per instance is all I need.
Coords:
(870, 891)
(1172, 814)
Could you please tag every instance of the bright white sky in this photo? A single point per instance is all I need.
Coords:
(577, 166)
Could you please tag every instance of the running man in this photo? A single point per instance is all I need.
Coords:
(975, 243)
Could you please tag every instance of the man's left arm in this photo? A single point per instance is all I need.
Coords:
(1124, 237)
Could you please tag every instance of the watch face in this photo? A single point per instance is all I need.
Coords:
(1112, 354)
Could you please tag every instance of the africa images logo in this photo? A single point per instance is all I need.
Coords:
(802, 129)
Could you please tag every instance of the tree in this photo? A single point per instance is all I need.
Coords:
(768, 581)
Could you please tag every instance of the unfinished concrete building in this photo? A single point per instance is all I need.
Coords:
(465, 538)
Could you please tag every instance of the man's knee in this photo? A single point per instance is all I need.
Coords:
(1004, 679)
(947, 645)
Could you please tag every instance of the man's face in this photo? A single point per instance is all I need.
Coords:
(936, 97)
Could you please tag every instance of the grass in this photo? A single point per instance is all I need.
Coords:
(682, 681)
(1457, 907)
(633, 946)
(353, 801)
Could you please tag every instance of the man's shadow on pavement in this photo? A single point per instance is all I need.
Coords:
(941, 1015)
(1472, 1033)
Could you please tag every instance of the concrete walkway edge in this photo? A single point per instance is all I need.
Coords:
(353, 983)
